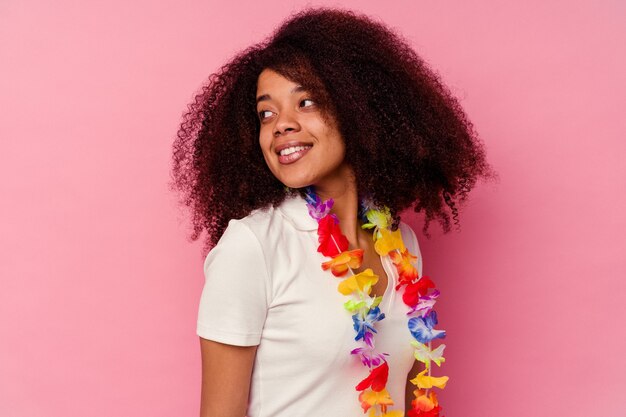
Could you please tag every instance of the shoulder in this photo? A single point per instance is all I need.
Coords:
(408, 236)
(272, 222)
(267, 229)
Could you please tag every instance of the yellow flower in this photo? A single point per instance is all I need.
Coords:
(424, 381)
(388, 241)
(361, 282)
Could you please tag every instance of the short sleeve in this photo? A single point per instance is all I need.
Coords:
(234, 300)
(412, 244)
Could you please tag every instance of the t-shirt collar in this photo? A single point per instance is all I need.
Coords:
(295, 210)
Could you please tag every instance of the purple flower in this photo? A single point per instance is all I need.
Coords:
(425, 303)
(369, 357)
(317, 208)
(368, 338)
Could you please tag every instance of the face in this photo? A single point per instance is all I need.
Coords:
(300, 147)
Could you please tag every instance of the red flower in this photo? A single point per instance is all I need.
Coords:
(377, 379)
(330, 237)
(419, 413)
(413, 291)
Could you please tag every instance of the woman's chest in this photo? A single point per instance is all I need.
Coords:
(308, 313)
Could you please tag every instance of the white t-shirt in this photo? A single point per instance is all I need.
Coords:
(265, 286)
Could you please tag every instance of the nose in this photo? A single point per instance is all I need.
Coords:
(286, 121)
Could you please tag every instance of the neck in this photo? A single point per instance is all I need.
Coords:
(346, 204)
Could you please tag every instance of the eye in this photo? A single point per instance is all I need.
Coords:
(304, 101)
(262, 114)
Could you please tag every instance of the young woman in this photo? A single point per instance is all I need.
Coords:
(296, 158)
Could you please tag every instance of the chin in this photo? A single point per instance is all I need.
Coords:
(295, 184)
(292, 182)
(289, 179)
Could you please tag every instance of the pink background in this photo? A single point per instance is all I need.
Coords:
(99, 286)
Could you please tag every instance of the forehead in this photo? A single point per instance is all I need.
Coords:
(270, 79)
(271, 84)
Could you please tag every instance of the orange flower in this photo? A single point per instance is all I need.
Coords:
(394, 413)
(370, 398)
(423, 402)
(348, 259)
(404, 264)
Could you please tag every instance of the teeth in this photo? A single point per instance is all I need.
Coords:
(289, 151)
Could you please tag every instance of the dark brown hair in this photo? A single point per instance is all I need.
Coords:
(407, 139)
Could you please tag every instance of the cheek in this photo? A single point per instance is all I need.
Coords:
(264, 142)
(337, 144)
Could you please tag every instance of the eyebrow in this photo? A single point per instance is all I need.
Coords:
(265, 97)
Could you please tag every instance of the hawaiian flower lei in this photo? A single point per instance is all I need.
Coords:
(419, 295)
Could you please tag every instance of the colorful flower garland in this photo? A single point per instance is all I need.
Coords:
(419, 295)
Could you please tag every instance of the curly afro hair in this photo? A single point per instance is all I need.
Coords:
(407, 139)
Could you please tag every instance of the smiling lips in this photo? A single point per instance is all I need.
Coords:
(289, 153)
